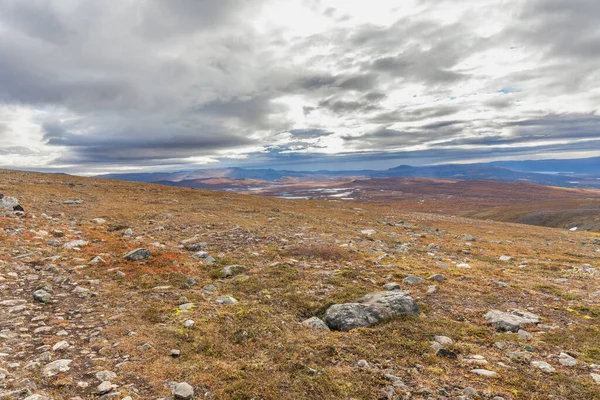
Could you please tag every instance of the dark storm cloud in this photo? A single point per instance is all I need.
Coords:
(138, 144)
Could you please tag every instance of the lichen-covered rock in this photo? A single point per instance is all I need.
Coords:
(183, 391)
(138, 254)
(316, 323)
(372, 308)
(511, 321)
(10, 203)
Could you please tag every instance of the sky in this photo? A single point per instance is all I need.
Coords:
(90, 87)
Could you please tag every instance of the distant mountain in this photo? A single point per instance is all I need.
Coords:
(566, 173)
(582, 166)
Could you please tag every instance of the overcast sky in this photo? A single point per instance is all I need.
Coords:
(91, 86)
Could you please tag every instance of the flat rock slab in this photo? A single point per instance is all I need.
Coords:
(372, 308)
(511, 321)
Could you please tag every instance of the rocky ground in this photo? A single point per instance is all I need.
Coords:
(118, 290)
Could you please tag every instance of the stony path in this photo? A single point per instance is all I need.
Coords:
(43, 338)
(54, 313)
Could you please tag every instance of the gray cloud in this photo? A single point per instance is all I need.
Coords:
(147, 83)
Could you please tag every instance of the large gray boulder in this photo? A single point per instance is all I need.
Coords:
(372, 308)
(511, 321)
(9, 203)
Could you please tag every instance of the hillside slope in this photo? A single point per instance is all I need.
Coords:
(219, 299)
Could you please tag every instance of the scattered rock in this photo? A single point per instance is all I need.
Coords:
(10, 203)
(204, 257)
(41, 296)
(183, 391)
(105, 375)
(104, 388)
(484, 372)
(232, 270)
(543, 365)
(186, 307)
(226, 300)
(73, 244)
(138, 254)
(73, 201)
(511, 321)
(56, 367)
(437, 277)
(315, 322)
(413, 280)
(370, 309)
(567, 360)
(391, 286)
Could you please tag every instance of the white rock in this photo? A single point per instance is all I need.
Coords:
(183, 391)
(56, 367)
(543, 365)
(484, 372)
(62, 345)
(567, 360)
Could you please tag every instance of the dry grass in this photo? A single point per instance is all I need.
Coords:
(301, 257)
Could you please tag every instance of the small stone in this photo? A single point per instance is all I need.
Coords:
(544, 366)
(316, 323)
(505, 258)
(174, 353)
(523, 334)
(225, 300)
(62, 345)
(391, 286)
(511, 321)
(362, 364)
(469, 391)
(104, 388)
(56, 367)
(441, 352)
(484, 372)
(413, 280)
(432, 289)
(73, 244)
(41, 296)
(186, 307)
(596, 378)
(204, 256)
(443, 340)
(232, 270)
(567, 360)
(189, 323)
(145, 346)
(105, 375)
(183, 391)
(437, 277)
(138, 254)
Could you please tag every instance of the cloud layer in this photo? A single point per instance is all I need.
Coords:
(89, 86)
